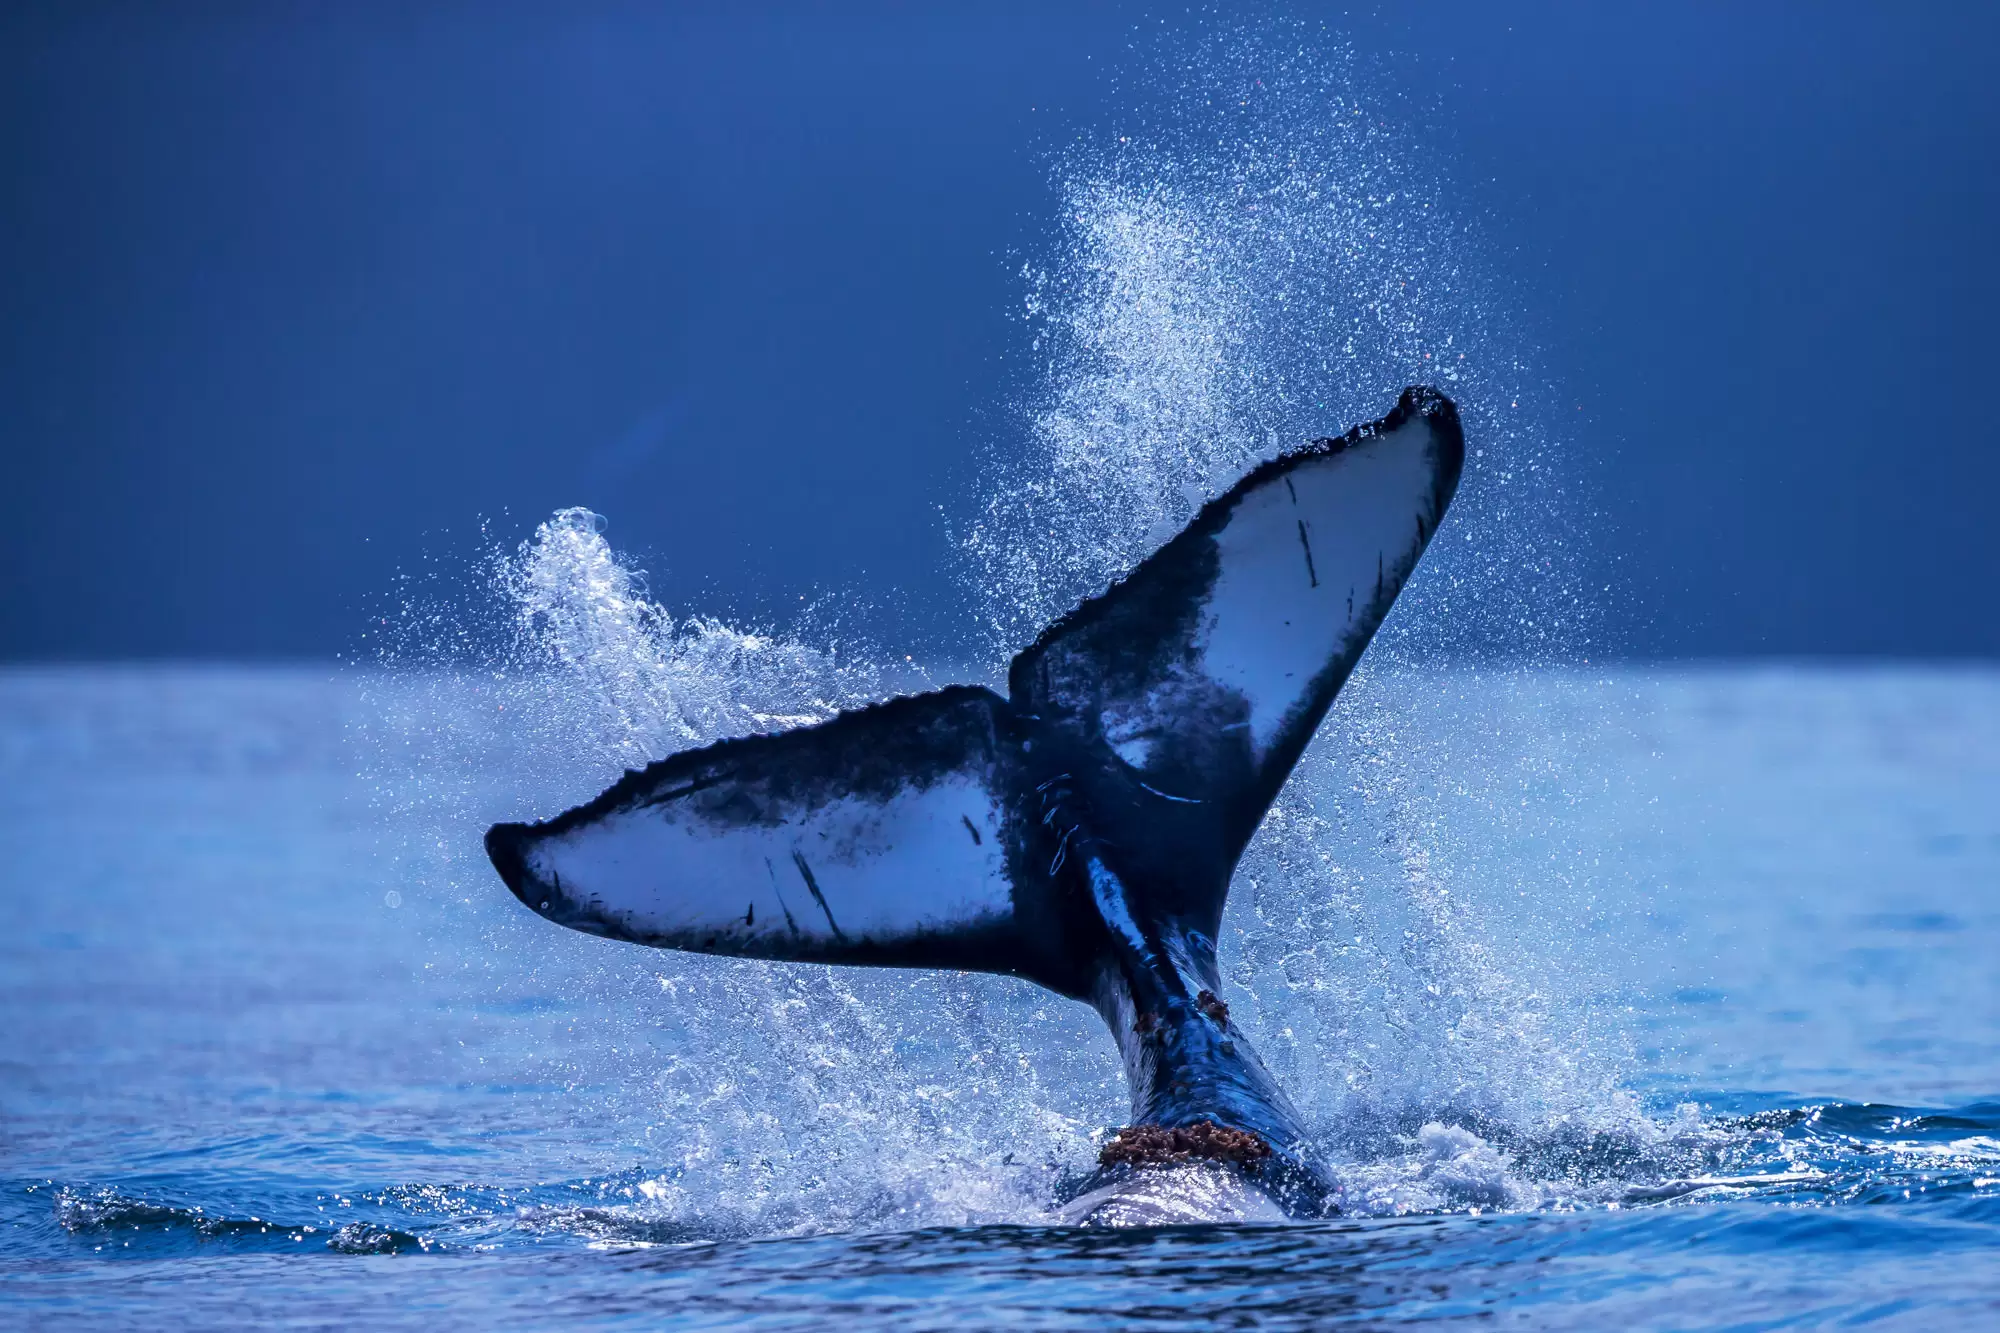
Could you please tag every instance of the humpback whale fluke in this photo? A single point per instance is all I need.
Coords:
(1081, 832)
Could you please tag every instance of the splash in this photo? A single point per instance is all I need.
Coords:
(656, 686)
(763, 1098)
(1138, 425)
(1267, 262)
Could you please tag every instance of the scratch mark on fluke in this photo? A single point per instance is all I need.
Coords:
(1169, 796)
(779, 893)
(812, 887)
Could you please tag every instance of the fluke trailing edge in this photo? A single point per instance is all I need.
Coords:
(1082, 831)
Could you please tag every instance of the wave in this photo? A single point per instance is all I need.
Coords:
(143, 1227)
(1834, 1154)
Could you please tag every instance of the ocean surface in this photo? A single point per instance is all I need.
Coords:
(1641, 998)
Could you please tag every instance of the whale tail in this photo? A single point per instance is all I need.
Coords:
(1153, 724)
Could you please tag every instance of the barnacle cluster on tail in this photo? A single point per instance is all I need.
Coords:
(1203, 1141)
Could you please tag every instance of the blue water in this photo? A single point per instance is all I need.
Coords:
(1708, 1035)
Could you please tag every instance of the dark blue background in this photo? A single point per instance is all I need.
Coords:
(296, 294)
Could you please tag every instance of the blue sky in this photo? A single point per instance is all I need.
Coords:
(297, 296)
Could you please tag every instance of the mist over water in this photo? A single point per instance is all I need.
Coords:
(1267, 264)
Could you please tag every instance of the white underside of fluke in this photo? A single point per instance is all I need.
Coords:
(933, 830)
(1304, 559)
(850, 870)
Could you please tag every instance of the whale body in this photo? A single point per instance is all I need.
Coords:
(1080, 832)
